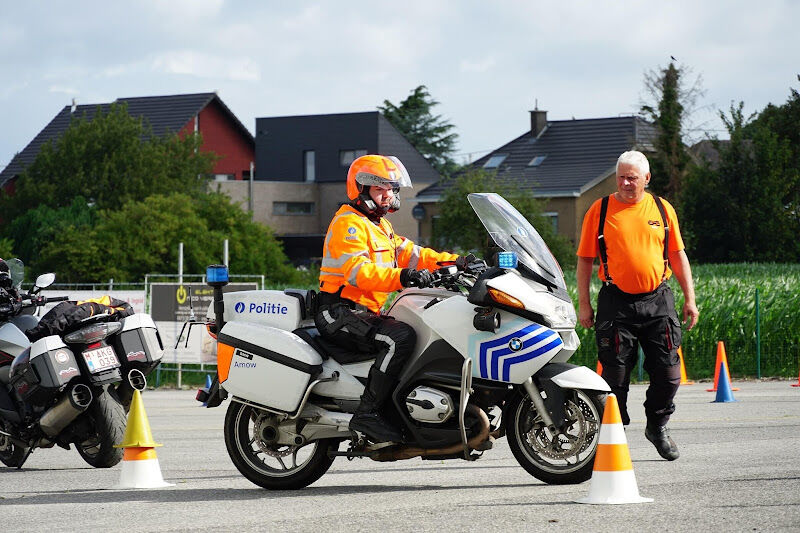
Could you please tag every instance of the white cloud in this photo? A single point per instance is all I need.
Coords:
(204, 65)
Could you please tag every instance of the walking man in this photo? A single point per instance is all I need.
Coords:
(636, 237)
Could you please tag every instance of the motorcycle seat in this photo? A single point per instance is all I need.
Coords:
(326, 349)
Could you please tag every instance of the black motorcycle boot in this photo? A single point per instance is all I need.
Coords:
(660, 438)
(367, 418)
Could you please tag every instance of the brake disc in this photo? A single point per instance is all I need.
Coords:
(269, 448)
(557, 445)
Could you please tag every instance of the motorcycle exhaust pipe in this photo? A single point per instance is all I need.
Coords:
(136, 380)
(409, 452)
(66, 410)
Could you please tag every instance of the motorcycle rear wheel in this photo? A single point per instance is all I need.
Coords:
(11, 454)
(263, 462)
(108, 423)
(560, 459)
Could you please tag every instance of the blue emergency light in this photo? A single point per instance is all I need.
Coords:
(217, 275)
(507, 260)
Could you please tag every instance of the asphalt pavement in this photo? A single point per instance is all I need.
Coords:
(738, 471)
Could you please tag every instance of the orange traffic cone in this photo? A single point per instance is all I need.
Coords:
(599, 368)
(684, 379)
(613, 480)
(721, 357)
(140, 469)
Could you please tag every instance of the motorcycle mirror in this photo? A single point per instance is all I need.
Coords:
(45, 280)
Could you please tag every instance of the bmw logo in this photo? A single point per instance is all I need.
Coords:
(239, 307)
(515, 344)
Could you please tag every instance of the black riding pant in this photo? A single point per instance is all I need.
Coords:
(623, 323)
(389, 340)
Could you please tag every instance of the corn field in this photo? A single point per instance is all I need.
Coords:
(726, 298)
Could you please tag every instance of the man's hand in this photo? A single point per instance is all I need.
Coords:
(690, 315)
(415, 278)
(586, 315)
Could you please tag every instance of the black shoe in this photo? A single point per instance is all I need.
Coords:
(660, 438)
(375, 427)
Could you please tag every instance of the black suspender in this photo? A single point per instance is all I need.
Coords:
(660, 206)
(601, 239)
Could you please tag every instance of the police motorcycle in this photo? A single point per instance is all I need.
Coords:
(490, 361)
(62, 389)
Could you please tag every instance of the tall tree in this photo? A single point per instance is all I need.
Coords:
(109, 160)
(458, 228)
(674, 100)
(737, 210)
(430, 134)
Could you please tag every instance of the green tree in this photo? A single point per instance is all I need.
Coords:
(674, 100)
(6, 248)
(109, 160)
(37, 227)
(737, 210)
(430, 134)
(142, 237)
(458, 228)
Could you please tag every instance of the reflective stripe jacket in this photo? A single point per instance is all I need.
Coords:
(366, 258)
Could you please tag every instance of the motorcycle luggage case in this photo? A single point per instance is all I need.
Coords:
(268, 307)
(37, 373)
(265, 365)
(138, 344)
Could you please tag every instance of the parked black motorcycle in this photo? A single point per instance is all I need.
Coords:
(65, 389)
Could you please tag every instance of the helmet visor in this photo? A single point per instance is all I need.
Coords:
(396, 177)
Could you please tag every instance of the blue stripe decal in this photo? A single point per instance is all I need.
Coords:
(497, 354)
(555, 343)
(485, 346)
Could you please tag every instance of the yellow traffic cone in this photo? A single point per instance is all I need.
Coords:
(140, 469)
(613, 480)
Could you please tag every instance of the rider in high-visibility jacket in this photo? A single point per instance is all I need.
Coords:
(362, 261)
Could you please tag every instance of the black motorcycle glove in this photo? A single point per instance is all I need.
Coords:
(462, 261)
(415, 278)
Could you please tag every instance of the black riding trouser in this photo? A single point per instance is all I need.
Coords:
(391, 341)
(623, 323)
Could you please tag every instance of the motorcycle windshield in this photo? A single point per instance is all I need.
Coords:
(17, 272)
(513, 233)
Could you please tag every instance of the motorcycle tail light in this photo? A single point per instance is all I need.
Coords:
(505, 299)
(93, 333)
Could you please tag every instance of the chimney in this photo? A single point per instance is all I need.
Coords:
(74, 106)
(538, 121)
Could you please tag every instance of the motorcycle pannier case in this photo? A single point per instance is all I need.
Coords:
(265, 365)
(37, 373)
(138, 344)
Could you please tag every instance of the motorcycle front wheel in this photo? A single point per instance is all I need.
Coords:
(556, 458)
(250, 439)
(107, 422)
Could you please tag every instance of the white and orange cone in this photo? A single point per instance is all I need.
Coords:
(613, 480)
(140, 469)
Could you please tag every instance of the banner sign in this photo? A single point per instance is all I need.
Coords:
(173, 302)
(171, 305)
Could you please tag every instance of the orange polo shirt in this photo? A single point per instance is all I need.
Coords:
(634, 236)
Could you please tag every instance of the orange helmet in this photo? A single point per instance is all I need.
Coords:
(380, 171)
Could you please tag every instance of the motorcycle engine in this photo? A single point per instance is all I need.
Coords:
(429, 405)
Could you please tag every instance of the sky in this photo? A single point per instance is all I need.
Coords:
(486, 63)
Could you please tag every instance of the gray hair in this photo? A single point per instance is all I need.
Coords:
(636, 159)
